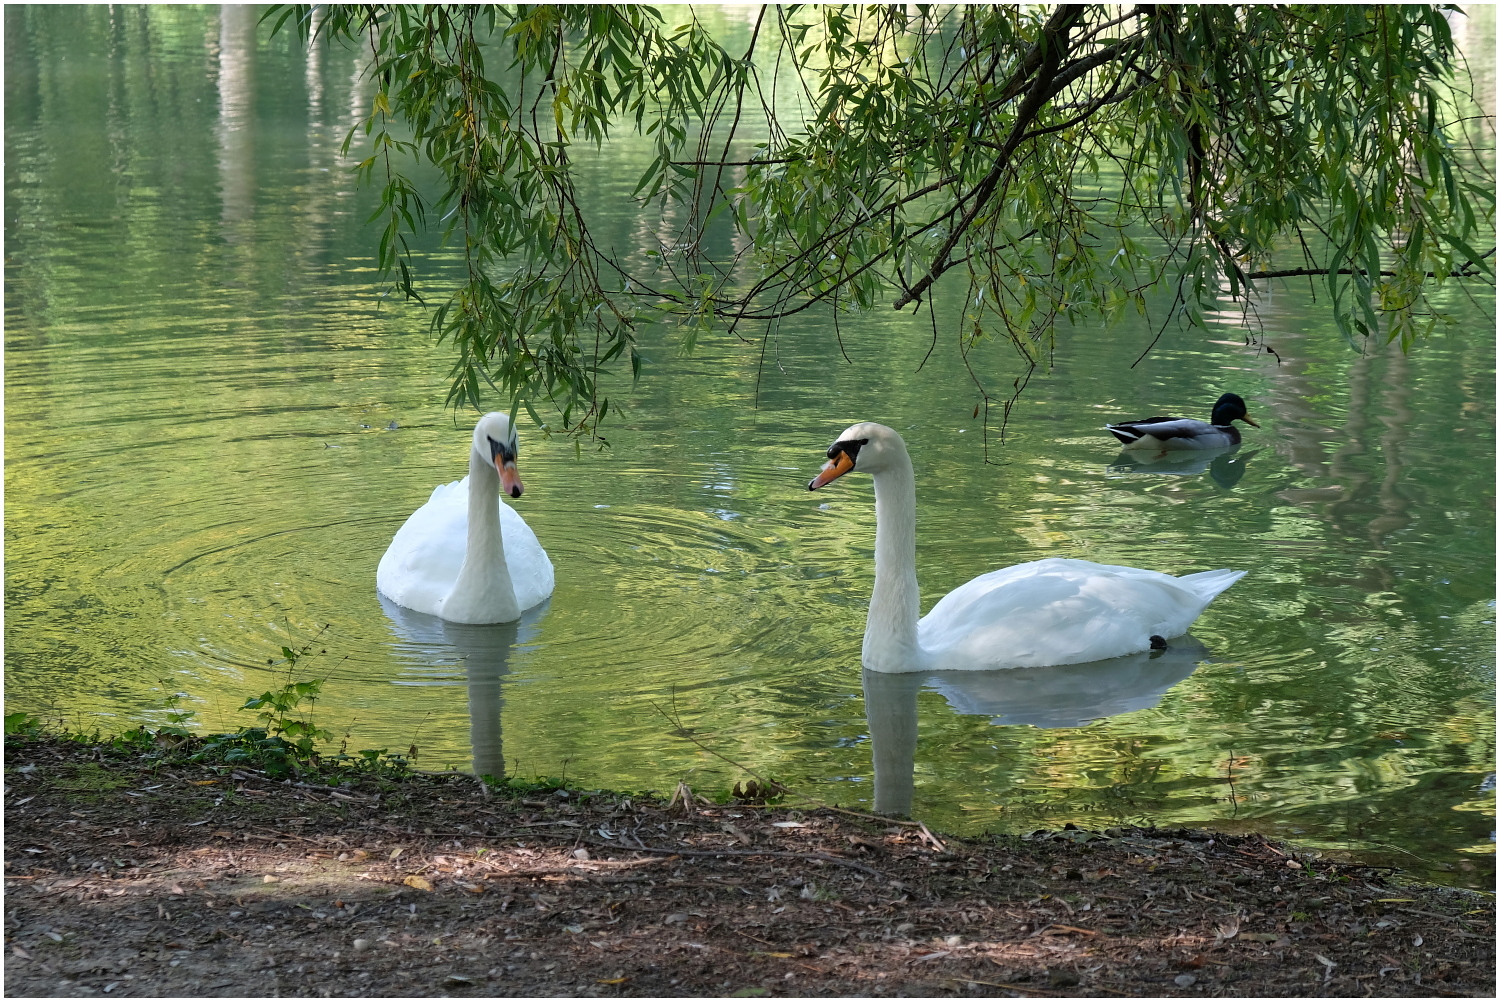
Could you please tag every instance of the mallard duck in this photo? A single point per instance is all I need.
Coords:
(1046, 612)
(1164, 433)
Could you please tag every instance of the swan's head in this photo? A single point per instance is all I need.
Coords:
(866, 447)
(495, 443)
(1231, 407)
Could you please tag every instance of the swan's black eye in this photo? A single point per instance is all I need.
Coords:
(849, 447)
(505, 450)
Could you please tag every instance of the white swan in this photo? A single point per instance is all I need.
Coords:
(463, 556)
(1047, 612)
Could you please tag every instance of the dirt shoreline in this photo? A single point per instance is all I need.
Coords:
(133, 878)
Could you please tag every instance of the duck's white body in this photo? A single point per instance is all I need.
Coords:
(1047, 612)
(464, 556)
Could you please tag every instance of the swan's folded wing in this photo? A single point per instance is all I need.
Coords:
(423, 560)
(1058, 612)
(530, 568)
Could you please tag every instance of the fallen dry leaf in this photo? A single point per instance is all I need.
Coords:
(420, 883)
(397, 851)
(204, 782)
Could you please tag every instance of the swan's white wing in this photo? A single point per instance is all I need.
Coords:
(1061, 612)
(423, 560)
(530, 568)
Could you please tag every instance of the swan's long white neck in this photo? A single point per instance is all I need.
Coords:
(891, 628)
(483, 592)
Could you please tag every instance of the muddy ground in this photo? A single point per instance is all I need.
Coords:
(128, 879)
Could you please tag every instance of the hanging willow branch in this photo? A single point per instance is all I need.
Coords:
(1066, 161)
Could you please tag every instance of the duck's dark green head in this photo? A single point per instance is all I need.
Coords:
(1231, 407)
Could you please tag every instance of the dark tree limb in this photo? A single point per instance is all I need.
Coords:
(1054, 46)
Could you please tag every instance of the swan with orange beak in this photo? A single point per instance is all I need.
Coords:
(1032, 615)
(464, 556)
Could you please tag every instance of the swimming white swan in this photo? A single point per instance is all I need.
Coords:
(463, 556)
(1047, 612)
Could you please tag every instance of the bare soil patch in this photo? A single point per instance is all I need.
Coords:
(129, 879)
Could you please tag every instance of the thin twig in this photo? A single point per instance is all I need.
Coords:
(743, 852)
(997, 984)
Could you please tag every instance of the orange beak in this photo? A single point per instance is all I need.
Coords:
(1247, 420)
(832, 470)
(510, 481)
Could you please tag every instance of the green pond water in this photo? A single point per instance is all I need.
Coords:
(214, 426)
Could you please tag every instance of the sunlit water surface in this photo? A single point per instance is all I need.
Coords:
(213, 428)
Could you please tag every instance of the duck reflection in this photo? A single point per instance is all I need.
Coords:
(1058, 696)
(485, 653)
(1225, 466)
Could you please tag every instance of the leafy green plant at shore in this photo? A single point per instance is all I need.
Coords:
(282, 743)
(276, 706)
(22, 722)
(177, 717)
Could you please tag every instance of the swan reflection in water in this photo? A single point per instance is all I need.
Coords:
(1057, 696)
(484, 652)
(1225, 466)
